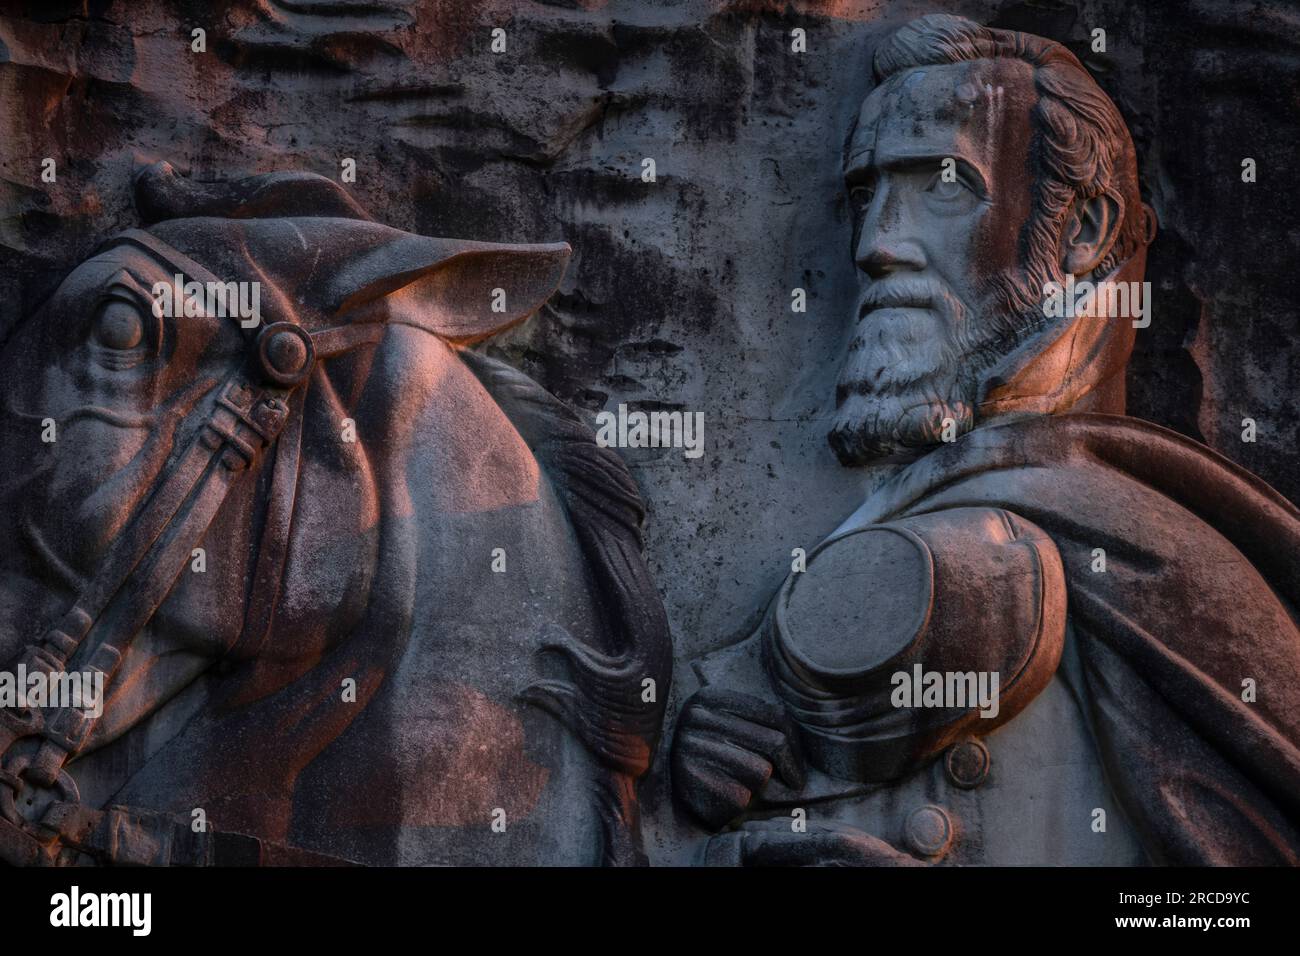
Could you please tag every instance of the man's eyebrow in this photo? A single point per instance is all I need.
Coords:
(858, 168)
(863, 166)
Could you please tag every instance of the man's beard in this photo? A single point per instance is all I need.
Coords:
(914, 370)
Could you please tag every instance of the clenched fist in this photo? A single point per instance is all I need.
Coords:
(726, 748)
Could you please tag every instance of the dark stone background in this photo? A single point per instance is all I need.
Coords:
(679, 292)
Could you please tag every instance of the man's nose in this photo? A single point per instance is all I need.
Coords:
(888, 242)
(879, 258)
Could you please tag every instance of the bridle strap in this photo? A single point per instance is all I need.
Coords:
(253, 407)
(129, 588)
(273, 549)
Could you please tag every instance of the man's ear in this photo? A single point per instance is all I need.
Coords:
(1091, 227)
(463, 292)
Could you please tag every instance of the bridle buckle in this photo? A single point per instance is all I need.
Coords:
(24, 802)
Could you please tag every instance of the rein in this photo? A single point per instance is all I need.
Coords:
(258, 405)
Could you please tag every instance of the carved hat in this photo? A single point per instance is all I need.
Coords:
(317, 254)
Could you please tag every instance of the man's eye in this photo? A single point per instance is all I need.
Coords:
(119, 325)
(861, 195)
(948, 189)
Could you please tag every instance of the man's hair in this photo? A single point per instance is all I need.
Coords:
(1082, 147)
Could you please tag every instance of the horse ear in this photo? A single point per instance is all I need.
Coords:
(463, 292)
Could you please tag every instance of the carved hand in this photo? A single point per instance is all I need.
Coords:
(726, 747)
(774, 843)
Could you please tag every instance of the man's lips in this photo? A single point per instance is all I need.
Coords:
(899, 298)
(880, 310)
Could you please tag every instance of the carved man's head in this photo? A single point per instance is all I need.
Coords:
(983, 166)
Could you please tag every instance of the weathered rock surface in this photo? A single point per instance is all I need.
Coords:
(679, 295)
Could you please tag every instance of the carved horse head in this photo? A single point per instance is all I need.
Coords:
(242, 430)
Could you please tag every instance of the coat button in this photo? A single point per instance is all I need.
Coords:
(967, 763)
(928, 831)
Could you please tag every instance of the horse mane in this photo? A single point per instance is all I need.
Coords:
(602, 701)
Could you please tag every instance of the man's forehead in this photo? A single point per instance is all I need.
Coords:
(959, 109)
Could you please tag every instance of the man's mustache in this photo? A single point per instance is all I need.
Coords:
(901, 293)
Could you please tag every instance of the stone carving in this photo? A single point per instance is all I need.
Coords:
(447, 134)
(678, 295)
(1132, 592)
(276, 520)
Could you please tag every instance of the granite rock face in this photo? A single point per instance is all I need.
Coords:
(680, 291)
(679, 294)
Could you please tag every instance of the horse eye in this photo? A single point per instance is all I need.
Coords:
(119, 325)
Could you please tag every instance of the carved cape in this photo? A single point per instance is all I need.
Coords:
(1199, 594)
